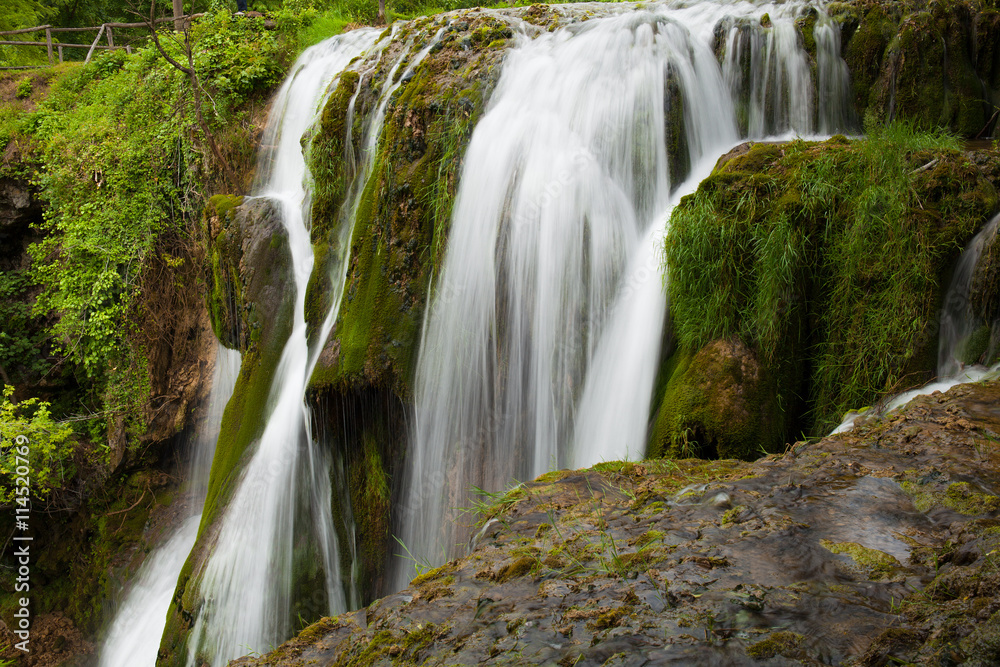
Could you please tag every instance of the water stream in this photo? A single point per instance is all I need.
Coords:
(134, 636)
(247, 582)
(545, 323)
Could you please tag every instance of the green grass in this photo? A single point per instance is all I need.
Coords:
(827, 260)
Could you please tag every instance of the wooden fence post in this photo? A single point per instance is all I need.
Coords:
(111, 37)
(178, 15)
(48, 43)
(100, 33)
(60, 54)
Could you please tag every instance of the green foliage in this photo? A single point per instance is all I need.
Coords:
(22, 335)
(826, 258)
(23, 89)
(120, 171)
(32, 443)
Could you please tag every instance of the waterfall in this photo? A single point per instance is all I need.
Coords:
(134, 635)
(246, 583)
(543, 331)
(957, 323)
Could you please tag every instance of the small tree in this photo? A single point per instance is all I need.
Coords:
(195, 85)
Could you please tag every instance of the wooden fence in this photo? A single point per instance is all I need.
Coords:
(105, 30)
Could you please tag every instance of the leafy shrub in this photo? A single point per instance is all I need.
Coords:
(32, 440)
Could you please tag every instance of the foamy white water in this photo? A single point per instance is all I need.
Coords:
(134, 636)
(535, 354)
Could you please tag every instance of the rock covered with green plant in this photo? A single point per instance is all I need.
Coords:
(827, 263)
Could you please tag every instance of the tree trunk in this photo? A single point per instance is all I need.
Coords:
(381, 12)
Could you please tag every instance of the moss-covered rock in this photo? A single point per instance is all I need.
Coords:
(718, 404)
(223, 254)
(402, 211)
(774, 249)
(934, 64)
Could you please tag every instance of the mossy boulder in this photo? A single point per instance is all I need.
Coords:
(718, 403)
(775, 250)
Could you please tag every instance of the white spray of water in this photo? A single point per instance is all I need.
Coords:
(134, 636)
(537, 352)
(958, 322)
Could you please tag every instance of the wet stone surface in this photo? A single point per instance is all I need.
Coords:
(873, 547)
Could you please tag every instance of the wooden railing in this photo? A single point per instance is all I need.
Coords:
(105, 30)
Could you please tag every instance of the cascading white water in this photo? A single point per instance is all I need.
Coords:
(246, 583)
(134, 636)
(536, 352)
(957, 323)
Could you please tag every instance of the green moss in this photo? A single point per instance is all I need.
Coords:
(920, 64)
(370, 501)
(649, 537)
(490, 32)
(865, 53)
(432, 575)
(327, 158)
(777, 643)
(243, 419)
(874, 563)
(975, 348)
(733, 515)
(959, 496)
(609, 619)
(717, 405)
(514, 569)
(982, 646)
(805, 25)
(223, 206)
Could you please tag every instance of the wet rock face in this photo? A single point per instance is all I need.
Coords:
(248, 265)
(875, 546)
(935, 65)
